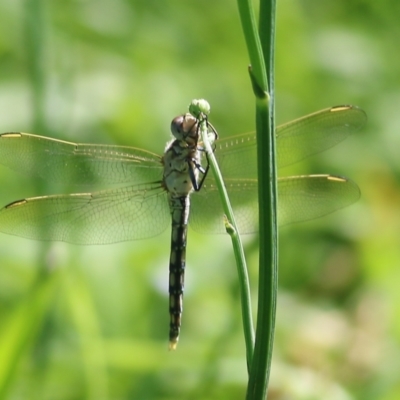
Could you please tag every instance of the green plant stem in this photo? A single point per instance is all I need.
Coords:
(268, 271)
(232, 230)
(267, 38)
(260, 49)
(253, 43)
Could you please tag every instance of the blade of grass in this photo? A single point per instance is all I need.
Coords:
(85, 318)
(20, 330)
(199, 109)
(267, 39)
(248, 21)
(260, 49)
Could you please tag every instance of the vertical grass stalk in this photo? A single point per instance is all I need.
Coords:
(200, 109)
(260, 45)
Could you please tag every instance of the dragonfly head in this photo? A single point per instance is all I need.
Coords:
(185, 128)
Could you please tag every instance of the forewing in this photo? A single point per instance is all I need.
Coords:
(316, 132)
(67, 162)
(236, 156)
(295, 140)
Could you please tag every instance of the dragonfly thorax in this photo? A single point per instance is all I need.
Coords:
(182, 157)
(180, 168)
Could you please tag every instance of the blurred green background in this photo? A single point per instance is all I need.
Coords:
(91, 322)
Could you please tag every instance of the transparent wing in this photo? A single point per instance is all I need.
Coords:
(306, 197)
(295, 140)
(61, 161)
(109, 216)
(140, 211)
(317, 132)
(300, 198)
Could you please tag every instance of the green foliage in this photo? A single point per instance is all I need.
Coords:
(91, 322)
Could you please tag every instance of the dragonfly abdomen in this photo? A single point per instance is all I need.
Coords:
(180, 215)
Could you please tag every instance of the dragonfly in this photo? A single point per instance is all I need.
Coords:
(146, 192)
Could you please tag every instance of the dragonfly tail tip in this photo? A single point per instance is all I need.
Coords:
(173, 344)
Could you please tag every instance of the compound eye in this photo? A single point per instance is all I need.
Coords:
(177, 126)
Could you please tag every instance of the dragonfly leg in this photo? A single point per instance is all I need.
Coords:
(213, 131)
(197, 184)
(204, 171)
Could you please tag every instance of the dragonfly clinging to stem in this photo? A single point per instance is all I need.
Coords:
(148, 190)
